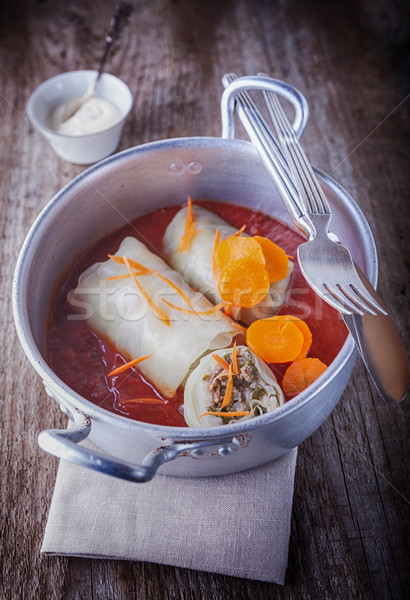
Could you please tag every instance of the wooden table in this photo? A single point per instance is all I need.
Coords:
(350, 510)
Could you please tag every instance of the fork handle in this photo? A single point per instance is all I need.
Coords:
(381, 349)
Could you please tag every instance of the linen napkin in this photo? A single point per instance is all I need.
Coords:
(235, 525)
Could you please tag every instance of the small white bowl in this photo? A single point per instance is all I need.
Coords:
(54, 92)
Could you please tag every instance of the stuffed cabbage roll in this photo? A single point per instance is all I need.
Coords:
(218, 394)
(196, 262)
(145, 308)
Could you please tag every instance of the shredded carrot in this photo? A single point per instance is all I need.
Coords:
(276, 259)
(215, 246)
(240, 413)
(189, 231)
(127, 276)
(235, 370)
(244, 282)
(241, 230)
(275, 339)
(135, 265)
(128, 365)
(210, 311)
(175, 287)
(241, 327)
(228, 391)
(157, 311)
(221, 362)
(228, 309)
(142, 401)
(300, 374)
(145, 271)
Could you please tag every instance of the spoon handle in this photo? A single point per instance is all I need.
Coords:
(118, 20)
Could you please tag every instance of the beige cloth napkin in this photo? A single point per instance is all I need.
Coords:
(234, 525)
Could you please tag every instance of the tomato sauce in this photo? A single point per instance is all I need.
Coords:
(82, 358)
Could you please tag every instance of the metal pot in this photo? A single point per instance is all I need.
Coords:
(104, 198)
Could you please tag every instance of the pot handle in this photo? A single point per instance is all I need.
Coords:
(260, 82)
(63, 444)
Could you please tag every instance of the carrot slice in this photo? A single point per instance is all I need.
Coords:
(235, 370)
(228, 391)
(275, 340)
(305, 331)
(210, 311)
(221, 362)
(276, 259)
(240, 413)
(236, 248)
(307, 336)
(128, 365)
(157, 311)
(300, 374)
(189, 231)
(244, 282)
(142, 401)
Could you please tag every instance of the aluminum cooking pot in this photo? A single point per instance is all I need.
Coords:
(105, 197)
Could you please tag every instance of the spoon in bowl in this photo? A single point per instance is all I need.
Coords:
(118, 21)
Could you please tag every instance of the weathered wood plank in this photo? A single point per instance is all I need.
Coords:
(351, 507)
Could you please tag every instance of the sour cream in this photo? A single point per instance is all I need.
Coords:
(95, 115)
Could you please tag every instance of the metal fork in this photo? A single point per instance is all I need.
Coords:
(326, 265)
(376, 336)
(336, 281)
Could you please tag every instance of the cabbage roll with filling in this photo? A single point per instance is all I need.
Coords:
(195, 262)
(220, 394)
(141, 305)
